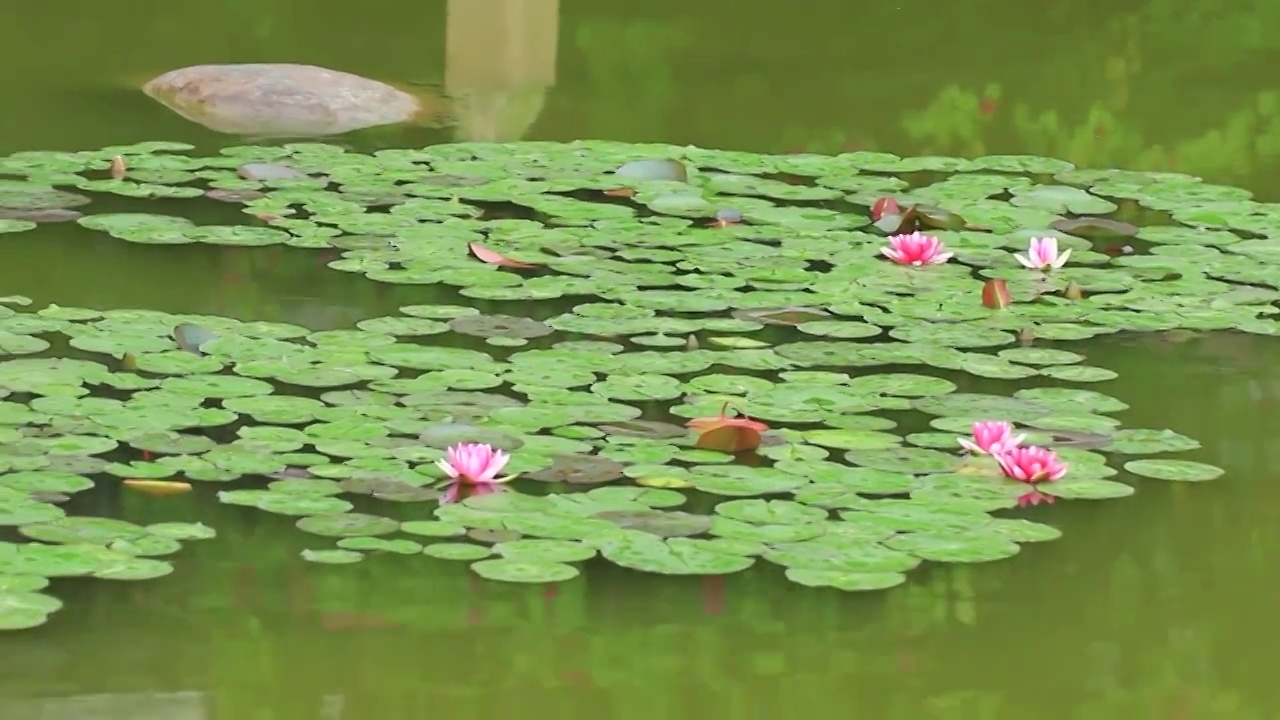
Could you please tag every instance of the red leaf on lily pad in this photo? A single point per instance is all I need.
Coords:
(485, 255)
(727, 434)
(885, 206)
(995, 294)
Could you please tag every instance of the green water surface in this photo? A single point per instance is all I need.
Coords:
(1155, 606)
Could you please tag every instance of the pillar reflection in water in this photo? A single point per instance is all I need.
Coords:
(500, 60)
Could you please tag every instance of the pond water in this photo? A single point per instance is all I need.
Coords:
(1148, 606)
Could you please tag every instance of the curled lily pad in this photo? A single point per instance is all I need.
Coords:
(655, 169)
(192, 337)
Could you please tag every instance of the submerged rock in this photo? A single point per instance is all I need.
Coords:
(281, 99)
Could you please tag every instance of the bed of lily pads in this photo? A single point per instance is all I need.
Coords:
(640, 287)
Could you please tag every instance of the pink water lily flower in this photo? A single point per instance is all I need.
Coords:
(1031, 464)
(990, 438)
(1042, 254)
(474, 463)
(916, 249)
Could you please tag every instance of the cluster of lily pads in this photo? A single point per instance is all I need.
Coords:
(669, 282)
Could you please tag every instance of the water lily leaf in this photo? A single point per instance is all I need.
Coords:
(290, 504)
(847, 581)
(348, 525)
(524, 571)
(1136, 441)
(841, 554)
(545, 551)
(91, 530)
(1178, 470)
(433, 528)
(652, 496)
(24, 610)
(332, 557)
(939, 547)
(363, 543)
(1077, 488)
(673, 559)
(146, 545)
(770, 512)
(657, 522)
(457, 551)
(489, 326)
(579, 470)
(182, 530)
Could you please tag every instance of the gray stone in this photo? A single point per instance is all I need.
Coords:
(281, 99)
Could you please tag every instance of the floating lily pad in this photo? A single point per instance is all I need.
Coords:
(544, 551)
(332, 557)
(506, 326)
(673, 559)
(524, 571)
(1178, 470)
(348, 525)
(662, 524)
(579, 470)
(848, 581)
(457, 551)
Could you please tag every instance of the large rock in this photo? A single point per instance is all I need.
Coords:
(281, 99)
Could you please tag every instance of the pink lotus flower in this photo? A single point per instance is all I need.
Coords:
(1042, 254)
(916, 249)
(990, 438)
(1031, 464)
(474, 463)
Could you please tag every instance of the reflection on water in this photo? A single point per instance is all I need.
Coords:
(1111, 87)
(500, 61)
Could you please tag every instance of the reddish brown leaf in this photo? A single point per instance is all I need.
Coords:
(620, 192)
(995, 294)
(729, 438)
(118, 167)
(885, 206)
(485, 255)
(727, 434)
